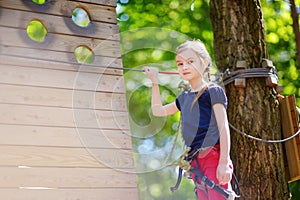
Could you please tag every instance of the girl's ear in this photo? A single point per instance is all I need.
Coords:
(206, 62)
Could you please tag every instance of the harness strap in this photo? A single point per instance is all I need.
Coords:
(230, 195)
(210, 184)
(178, 180)
(236, 186)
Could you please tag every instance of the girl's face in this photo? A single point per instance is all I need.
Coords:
(189, 65)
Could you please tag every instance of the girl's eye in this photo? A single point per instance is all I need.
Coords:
(179, 64)
(190, 61)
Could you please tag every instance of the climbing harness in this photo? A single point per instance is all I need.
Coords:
(184, 164)
(228, 194)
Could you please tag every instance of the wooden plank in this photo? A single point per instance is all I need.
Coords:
(69, 194)
(100, 2)
(295, 121)
(57, 60)
(99, 13)
(288, 130)
(39, 156)
(56, 42)
(64, 98)
(298, 145)
(63, 117)
(58, 24)
(64, 137)
(66, 178)
(294, 179)
(61, 79)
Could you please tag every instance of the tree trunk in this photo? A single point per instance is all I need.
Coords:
(239, 35)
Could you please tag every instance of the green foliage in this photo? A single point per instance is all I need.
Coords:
(281, 44)
(40, 2)
(84, 55)
(150, 32)
(80, 17)
(294, 187)
(36, 31)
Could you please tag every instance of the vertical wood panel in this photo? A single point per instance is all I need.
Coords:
(288, 127)
(64, 128)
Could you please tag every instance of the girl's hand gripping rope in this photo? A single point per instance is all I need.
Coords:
(152, 74)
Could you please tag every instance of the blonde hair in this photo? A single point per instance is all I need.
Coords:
(199, 48)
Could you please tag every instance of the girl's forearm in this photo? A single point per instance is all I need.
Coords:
(156, 103)
(222, 122)
(156, 100)
(225, 144)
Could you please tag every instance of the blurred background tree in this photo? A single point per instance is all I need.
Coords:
(150, 31)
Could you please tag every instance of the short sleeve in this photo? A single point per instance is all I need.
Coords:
(179, 101)
(218, 95)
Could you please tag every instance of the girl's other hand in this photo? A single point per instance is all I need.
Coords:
(152, 74)
(224, 173)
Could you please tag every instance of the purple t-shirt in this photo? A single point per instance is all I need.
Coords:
(198, 123)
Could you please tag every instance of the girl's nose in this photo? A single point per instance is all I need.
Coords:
(185, 66)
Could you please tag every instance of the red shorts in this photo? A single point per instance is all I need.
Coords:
(207, 164)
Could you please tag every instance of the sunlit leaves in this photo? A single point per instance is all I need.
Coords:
(281, 44)
(40, 2)
(272, 38)
(84, 55)
(36, 31)
(293, 73)
(80, 17)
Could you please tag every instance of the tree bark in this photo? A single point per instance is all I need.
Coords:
(239, 35)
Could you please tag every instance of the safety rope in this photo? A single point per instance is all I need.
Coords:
(263, 140)
(228, 77)
(182, 162)
(141, 70)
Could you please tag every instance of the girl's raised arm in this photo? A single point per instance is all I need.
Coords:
(157, 108)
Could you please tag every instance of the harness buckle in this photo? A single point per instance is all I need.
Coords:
(232, 195)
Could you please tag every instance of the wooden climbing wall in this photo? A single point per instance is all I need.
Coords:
(64, 130)
(290, 125)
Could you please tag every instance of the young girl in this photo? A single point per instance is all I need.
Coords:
(203, 113)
